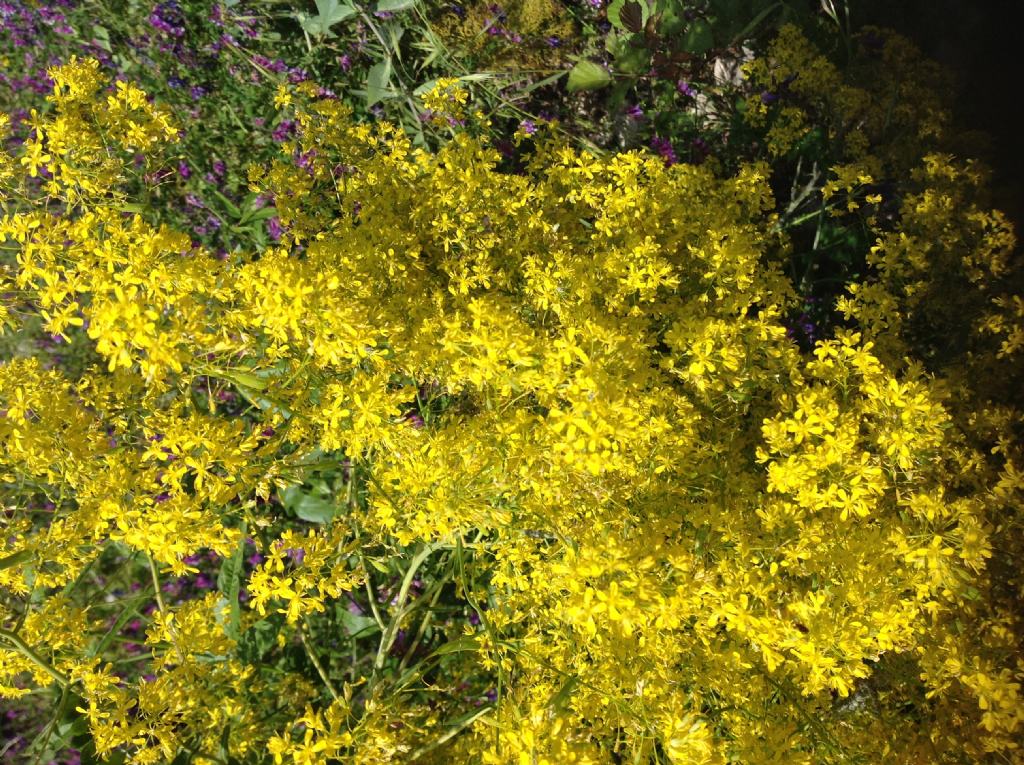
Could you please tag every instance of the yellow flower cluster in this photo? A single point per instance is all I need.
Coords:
(699, 545)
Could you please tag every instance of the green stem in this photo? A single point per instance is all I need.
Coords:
(29, 653)
(163, 608)
(389, 636)
(304, 637)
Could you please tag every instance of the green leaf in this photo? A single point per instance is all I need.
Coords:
(330, 13)
(748, 30)
(464, 643)
(393, 6)
(380, 566)
(549, 80)
(634, 15)
(699, 38)
(229, 582)
(587, 75)
(356, 624)
(377, 82)
(243, 379)
(230, 206)
(629, 15)
(309, 507)
(101, 37)
(17, 559)
(615, 13)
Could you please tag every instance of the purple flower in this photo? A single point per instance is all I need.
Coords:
(686, 89)
(184, 170)
(634, 111)
(274, 228)
(665, 150)
(167, 18)
(283, 131)
(528, 127)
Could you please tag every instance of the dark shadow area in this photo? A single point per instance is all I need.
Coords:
(980, 41)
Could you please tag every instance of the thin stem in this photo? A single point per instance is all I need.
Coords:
(163, 608)
(389, 636)
(304, 637)
(372, 596)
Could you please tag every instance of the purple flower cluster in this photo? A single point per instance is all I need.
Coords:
(168, 18)
(664, 149)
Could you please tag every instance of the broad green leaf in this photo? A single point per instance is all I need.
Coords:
(629, 15)
(330, 12)
(309, 507)
(101, 37)
(614, 11)
(356, 624)
(634, 15)
(377, 82)
(633, 60)
(587, 75)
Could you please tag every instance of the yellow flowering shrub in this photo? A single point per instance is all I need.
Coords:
(681, 539)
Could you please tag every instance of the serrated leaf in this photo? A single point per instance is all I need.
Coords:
(587, 75)
(632, 16)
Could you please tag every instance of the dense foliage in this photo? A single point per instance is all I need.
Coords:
(482, 435)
